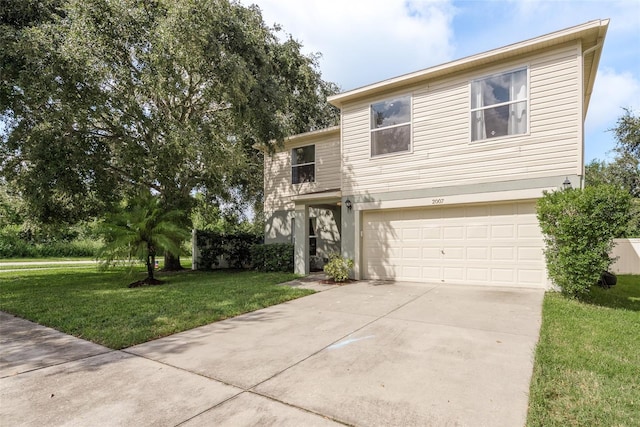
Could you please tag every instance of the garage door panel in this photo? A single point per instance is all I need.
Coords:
(453, 232)
(531, 277)
(530, 253)
(453, 274)
(474, 244)
(453, 253)
(378, 270)
(431, 254)
(502, 275)
(477, 275)
(478, 253)
(431, 273)
(411, 253)
(411, 271)
(432, 232)
(503, 231)
(476, 231)
(411, 234)
(528, 231)
(503, 253)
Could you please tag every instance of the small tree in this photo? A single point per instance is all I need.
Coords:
(138, 231)
(579, 227)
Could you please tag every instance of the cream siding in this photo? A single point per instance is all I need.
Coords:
(278, 189)
(443, 154)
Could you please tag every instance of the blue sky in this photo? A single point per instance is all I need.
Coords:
(365, 41)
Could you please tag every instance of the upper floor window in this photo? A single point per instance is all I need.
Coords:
(391, 126)
(303, 164)
(499, 105)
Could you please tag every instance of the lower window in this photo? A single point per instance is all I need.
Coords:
(391, 140)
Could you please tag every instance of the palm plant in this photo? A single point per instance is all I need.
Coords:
(138, 231)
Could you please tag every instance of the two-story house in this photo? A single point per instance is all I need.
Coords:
(433, 176)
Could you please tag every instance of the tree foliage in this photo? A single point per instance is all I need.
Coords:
(627, 133)
(140, 230)
(579, 226)
(623, 172)
(102, 96)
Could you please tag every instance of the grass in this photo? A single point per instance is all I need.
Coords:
(587, 366)
(99, 307)
(64, 263)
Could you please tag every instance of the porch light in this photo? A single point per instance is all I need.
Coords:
(566, 184)
(348, 204)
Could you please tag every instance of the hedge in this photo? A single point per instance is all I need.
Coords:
(234, 247)
(273, 257)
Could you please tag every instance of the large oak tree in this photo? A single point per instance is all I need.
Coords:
(100, 97)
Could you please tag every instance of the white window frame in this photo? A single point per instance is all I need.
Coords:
(293, 166)
(527, 99)
(410, 123)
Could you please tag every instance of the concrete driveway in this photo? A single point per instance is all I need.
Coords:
(366, 354)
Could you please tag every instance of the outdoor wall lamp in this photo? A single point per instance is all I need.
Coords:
(566, 184)
(348, 204)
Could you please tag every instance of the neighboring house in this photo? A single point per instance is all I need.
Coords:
(433, 176)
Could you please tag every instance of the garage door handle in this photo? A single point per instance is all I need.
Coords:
(442, 252)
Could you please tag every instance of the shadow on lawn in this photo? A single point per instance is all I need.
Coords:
(625, 295)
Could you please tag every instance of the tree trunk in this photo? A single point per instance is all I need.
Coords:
(172, 263)
(150, 266)
(151, 260)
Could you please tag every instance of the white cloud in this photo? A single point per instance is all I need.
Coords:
(612, 91)
(364, 41)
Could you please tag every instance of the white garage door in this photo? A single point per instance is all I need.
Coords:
(496, 244)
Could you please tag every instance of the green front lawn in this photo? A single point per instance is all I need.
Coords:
(99, 307)
(587, 366)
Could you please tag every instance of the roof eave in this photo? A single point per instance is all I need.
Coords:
(563, 36)
(300, 137)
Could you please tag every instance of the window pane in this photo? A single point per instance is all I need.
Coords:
(303, 174)
(313, 246)
(499, 89)
(391, 112)
(496, 121)
(303, 155)
(493, 122)
(390, 140)
(312, 226)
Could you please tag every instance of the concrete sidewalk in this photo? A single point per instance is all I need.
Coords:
(366, 353)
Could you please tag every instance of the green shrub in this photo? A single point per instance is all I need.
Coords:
(579, 227)
(12, 245)
(17, 243)
(235, 247)
(272, 257)
(338, 267)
